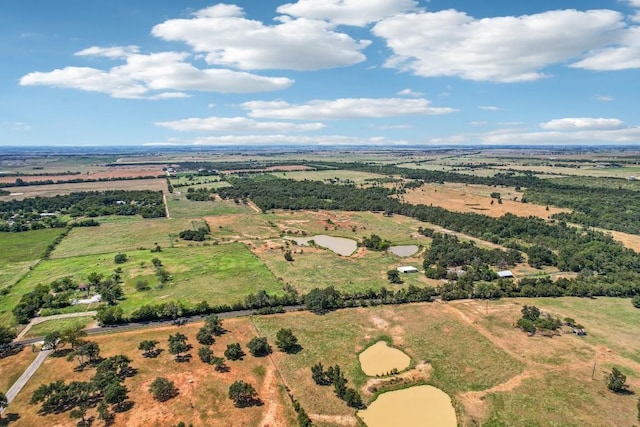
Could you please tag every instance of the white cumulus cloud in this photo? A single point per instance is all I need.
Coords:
(114, 52)
(347, 12)
(141, 75)
(409, 92)
(500, 49)
(229, 39)
(576, 123)
(344, 108)
(624, 55)
(236, 124)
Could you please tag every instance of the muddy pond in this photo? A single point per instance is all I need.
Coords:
(405, 250)
(340, 245)
(419, 406)
(380, 359)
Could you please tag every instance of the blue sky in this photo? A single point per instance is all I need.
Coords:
(319, 72)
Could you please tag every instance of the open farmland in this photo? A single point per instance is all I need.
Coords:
(49, 190)
(476, 199)
(219, 274)
(117, 234)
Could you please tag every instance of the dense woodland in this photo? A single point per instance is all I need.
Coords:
(597, 203)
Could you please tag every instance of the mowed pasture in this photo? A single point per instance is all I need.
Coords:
(180, 207)
(23, 192)
(315, 267)
(477, 199)
(203, 392)
(122, 233)
(218, 274)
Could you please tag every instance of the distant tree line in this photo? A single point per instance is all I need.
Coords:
(19, 182)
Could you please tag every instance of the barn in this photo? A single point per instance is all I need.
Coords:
(407, 269)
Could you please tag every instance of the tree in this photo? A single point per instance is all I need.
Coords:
(527, 325)
(205, 354)
(214, 324)
(616, 381)
(204, 336)
(51, 341)
(353, 398)
(286, 341)
(259, 347)
(156, 262)
(163, 389)
(234, 352)
(178, 345)
(318, 374)
(142, 284)
(6, 334)
(149, 348)
(394, 277)
(79, 412)
(109, 315)
(288, 256)
(636, 301)
(321, 301)
(115, 394)
(243, 394)
(120, 258)
(103, 412)
(530, 312)
(72, 335)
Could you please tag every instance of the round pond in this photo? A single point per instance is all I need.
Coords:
(380, 359)
(420, 406)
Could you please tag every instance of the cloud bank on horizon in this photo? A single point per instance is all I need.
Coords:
(332, 72)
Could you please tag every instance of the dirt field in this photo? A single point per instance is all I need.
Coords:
(476, 198)
(98, 173)
(202, 398)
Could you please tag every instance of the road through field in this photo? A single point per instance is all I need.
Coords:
(26, 375)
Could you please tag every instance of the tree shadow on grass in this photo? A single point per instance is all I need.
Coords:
(10, 417)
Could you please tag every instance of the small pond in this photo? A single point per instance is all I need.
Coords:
(419, 406)
(380, 359)
(340, 245)
(405, 250)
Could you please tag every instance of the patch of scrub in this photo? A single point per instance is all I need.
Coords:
(405, 250)
(340, 245)
(420, 406)
(380, 359)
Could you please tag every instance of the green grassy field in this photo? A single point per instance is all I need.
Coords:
(45, 328)
(218, 274)
(315, 268)
(27, 245)
(120, 234)
(180, 207)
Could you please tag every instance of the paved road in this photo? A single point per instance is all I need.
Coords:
(26, 375)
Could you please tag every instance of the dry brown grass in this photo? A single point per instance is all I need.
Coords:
(97, 173)
(202, 398)
(12, 367)
(55, 189)
(476, 198)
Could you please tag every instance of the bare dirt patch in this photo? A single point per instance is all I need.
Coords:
(476, 198)
(421, 372)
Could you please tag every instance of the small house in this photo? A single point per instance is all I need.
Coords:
(407, 269)
(505, 274)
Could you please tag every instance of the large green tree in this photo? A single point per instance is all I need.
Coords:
(286, 341)
(243, 394)
(163, 389)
